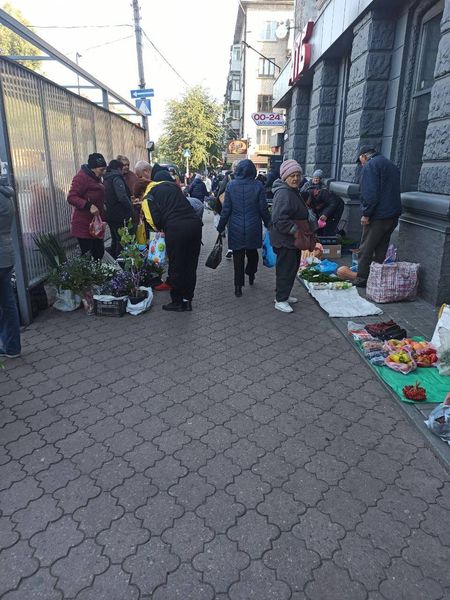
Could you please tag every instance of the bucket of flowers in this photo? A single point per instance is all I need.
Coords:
(133, 257)
(112, 297)
(75, 280)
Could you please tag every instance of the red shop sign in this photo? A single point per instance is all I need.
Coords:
(301, 56)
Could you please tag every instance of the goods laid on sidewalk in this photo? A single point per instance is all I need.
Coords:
(410, 366)
(338, 298)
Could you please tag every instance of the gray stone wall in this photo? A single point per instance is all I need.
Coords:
(425, 224)
(435, 172)
(368, 86)
(319, 154)
(298, 125)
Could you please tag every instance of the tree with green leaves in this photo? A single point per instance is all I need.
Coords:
(12, 44)
(194, 123)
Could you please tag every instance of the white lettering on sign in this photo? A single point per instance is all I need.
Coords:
(269, 119)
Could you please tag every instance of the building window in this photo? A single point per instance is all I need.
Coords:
(263, 136)
(420, 100)
(268, 31)
(265, 103)
(236, 54)
(235, 85)
(235, 113)
(266, 68)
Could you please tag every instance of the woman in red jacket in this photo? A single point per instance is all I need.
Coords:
(87, 196)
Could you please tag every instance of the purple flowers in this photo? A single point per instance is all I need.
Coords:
(120, 285)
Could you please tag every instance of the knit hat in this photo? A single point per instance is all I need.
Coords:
(288, 167)
(318, 173)
(96, 161)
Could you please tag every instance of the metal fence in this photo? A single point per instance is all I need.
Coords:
(51, 133)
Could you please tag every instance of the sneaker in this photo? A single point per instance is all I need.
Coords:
(4, 353)
(229, 254)
(292, 300)
(284, 307)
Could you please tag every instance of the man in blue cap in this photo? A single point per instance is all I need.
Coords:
(381, 208)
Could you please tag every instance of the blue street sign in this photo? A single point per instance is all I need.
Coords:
(145, 106)
(148, 93)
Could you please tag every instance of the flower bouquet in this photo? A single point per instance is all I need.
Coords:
(78, 275)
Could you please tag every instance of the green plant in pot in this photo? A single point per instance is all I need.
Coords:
(133, 261)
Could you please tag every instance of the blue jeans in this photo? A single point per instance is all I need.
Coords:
(9, 314)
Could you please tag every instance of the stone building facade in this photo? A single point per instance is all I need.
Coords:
(379, 72)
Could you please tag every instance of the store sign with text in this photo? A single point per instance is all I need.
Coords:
(301, 56)
(269, 119)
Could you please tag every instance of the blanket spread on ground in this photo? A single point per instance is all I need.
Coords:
(343, 303)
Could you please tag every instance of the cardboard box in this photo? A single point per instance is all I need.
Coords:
(332, 251)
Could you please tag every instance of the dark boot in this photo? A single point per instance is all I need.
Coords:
(237, 291)
(173, 306)
(187, 305)
(251, 279)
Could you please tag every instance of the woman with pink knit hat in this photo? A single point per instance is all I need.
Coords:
(288, 208)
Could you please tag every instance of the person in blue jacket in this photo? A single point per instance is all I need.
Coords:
(381, 208)
(244, 210)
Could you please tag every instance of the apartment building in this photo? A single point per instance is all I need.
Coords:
(261, 46)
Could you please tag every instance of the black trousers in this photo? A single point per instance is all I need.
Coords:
(374, 244)
(116, 247)
(332, 221)
(240, 270)
(288, 262)
(95, 246)
(183, 249)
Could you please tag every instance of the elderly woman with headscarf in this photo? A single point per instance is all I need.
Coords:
(244, 210)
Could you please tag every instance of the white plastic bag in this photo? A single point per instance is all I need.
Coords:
(66, 300)
(439, 420)
(216, 220)
(443, 323)
(443, 351)
(144, 305)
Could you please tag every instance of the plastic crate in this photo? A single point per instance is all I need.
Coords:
(110, 308)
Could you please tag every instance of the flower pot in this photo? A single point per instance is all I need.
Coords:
(141, 295)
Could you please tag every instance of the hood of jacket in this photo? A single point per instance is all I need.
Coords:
(245, 170)
(90, 173)
(279, 184)
(111, 173)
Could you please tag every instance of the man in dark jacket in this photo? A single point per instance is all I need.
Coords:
(381, 208)
(172, 214)
(197, 189)
(328, 208)
(119, 208)
(9, 315)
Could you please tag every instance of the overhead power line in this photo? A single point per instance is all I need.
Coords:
(127, 37)
(164, 58)
(79, 26)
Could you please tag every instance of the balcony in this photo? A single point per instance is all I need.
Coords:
(235, 66)
(235, 96)
(263, 149)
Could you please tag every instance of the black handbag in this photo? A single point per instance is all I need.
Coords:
(215, 257)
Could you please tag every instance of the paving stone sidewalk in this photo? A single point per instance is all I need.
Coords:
(234, 452)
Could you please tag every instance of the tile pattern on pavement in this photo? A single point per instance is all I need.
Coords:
(234, 452)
